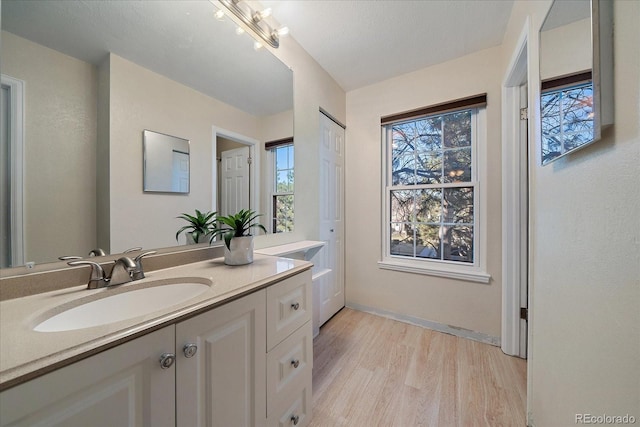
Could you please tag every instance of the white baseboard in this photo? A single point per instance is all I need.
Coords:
(447, 329)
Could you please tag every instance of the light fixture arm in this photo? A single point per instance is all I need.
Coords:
(270, 36)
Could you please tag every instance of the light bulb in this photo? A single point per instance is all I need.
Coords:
(257, 45)
(219, 15)
(239, 30)
(283, 31)
(265, 13)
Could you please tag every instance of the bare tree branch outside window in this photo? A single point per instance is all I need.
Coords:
(431, 189)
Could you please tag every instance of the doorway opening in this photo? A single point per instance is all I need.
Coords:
(515, 203)
(11, 178)
(235, 172)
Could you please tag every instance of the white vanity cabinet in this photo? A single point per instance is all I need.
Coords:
(122, 386)
(289, 352)
(222, 384)
(244, 363)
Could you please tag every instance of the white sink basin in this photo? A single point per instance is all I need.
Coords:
(122, 306)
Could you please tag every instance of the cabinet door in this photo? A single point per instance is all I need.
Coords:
(122, 386)
(223, 383)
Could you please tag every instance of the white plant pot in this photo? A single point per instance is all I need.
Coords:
(241, 251)
(201, 238)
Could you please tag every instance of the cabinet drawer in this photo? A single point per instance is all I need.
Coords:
(288, 307)
(294, 411)
(289, 366)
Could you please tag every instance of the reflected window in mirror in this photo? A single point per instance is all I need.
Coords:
(567, 114)
(282, 188)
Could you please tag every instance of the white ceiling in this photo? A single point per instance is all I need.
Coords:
(360, 42)
(178, 39)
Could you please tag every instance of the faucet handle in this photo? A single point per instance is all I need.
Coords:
(97, 279)
(138, 273)
(138, 248)
(69, 257)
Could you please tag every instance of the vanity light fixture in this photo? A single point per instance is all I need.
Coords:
(256, 21)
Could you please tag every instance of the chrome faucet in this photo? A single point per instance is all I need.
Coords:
(121, 272)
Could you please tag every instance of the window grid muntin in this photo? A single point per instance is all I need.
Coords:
(472, 183)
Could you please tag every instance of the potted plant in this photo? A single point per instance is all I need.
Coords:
(238, 242)
(199, 228)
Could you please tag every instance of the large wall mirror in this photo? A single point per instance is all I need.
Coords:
(83, 80)
(576, 70)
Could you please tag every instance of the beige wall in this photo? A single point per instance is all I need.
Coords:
(141, 99)
(458, 303)
(585, 289)
(313, 88)
(60, 115)
(566, 49)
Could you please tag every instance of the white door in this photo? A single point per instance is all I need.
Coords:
(331, 217)
(180, 172)
(123, 386)
(223, 383)
(234, 186)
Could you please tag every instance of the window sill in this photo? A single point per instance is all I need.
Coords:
(470, 274)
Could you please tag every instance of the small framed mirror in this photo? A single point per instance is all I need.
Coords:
(166, 163)
(576, 72)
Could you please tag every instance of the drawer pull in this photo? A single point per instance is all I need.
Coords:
(190, 350)
(295, 305)
(295, 419)
(166, 360)
(295, 363)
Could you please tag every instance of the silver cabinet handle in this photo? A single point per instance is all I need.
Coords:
(190, 350)
(295, 363)
(295, 419)
(166, 360)
(295, 305)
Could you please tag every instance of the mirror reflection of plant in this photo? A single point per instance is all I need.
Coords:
(200, 225)
(238, 225)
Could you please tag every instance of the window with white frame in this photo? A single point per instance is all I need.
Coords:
(431, 189)
(282, 194)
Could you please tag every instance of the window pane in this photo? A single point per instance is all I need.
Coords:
(551, 148)
(457, 129)
(403, 172)
(577, 106)
(458, 205)
(457, 165)
(429, 134)
(402, 206)
(401, 239)
(429, 168)
(428, 205)
(284, 181)
(291, 157)
(428, 241)
(283, 215)
(457, 243)
(282, 158)
(403, 139)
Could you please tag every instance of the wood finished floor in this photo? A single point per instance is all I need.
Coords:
(373, 371)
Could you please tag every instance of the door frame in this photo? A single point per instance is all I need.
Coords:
(515, 215)
(254, 167)
(16, 154)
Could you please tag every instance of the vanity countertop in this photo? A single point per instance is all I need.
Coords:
(25, 353)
